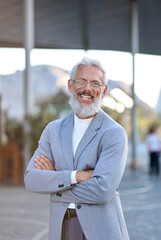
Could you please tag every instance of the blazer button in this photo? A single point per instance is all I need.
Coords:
(78, 206)
(60, 185)
(58, 194)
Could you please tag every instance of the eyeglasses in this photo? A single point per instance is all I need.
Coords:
(83, 83)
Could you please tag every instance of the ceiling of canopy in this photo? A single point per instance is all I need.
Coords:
(83, 24)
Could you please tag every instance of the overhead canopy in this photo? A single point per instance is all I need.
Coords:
(83, 24)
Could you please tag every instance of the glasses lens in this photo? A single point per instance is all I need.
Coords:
(93, 84)
(80, 82)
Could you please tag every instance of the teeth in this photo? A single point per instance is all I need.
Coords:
(85, 96)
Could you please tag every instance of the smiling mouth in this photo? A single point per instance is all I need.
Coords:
(86, 95)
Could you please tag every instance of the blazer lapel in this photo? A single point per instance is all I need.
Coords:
(66, 137)
(88, 136)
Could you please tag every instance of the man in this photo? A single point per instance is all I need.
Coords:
(80, 161)
(154, 149)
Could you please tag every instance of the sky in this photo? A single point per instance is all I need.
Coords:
(118, 66)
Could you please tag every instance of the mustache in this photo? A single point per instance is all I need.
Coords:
(85, 92)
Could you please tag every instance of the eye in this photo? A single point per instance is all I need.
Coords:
(81, 81)
(95, 83)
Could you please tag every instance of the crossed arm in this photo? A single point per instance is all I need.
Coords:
(95, 187)
(43, 163)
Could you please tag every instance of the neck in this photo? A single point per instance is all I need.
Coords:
(85, 117)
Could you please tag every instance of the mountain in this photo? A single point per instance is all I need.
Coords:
(158, 105)
(127, 89)
(45, 83)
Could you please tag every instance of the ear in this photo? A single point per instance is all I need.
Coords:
(104, 91)
(70, 85)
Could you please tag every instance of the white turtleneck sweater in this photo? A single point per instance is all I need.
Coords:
(79, 129)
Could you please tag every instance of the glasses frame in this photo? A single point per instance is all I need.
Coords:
(91, 83)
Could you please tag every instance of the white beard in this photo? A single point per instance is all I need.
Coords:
(86, 111)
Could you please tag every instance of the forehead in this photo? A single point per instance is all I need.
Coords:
(89, 73)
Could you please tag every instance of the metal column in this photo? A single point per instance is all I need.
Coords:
(0, 119)
(134, 50)
(28, 45)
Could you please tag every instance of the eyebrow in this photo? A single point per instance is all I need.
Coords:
(90, 81)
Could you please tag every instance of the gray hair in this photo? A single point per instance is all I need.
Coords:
(88, 62)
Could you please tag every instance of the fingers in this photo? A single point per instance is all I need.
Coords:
(43, 163)
(39, 163)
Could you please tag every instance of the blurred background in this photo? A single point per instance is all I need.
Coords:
(49, 95)
(40, 41)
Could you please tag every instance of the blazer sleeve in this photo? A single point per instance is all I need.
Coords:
(107, 173)
(46, 181)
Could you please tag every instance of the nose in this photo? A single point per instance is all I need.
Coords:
(88, 85)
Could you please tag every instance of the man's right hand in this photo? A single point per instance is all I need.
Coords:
(43, 163)
(82, 176)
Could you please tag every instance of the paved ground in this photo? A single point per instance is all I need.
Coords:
(141, 200)
(24, 216)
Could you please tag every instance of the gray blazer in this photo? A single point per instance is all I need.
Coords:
(102, 148)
